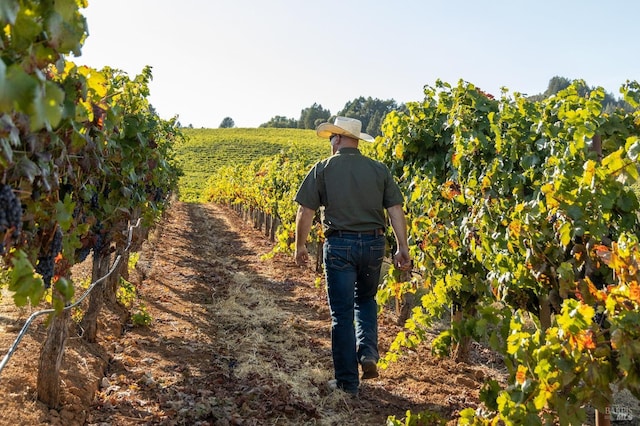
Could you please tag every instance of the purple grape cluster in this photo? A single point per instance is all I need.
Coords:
(46, 260)
(10, 215)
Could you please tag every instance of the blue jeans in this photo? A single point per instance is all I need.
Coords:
(352, 268)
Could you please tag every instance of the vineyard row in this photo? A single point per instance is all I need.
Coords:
(523, 221)
(82, 155)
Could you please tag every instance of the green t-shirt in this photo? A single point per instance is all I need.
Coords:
(353, 189)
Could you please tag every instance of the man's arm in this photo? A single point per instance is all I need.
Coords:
(304, 221)
(401, 257)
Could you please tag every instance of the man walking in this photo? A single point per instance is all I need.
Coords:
(355, 191)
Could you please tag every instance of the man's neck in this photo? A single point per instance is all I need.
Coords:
(345, 142)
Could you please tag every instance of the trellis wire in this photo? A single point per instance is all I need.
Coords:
(34, 315)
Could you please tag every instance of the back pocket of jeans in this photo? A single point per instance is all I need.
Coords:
(376, 255)
(338, 257)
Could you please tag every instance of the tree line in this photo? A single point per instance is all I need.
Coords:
(371, 111)
(557, 83)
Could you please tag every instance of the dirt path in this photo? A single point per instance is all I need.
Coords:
(235, 340)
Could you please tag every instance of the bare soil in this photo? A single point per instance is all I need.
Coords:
(235, 339)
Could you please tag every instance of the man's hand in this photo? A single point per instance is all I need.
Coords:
(401, 259)
(304, 220)
(301, 256)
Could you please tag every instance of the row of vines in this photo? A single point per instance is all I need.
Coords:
(266, 185)
(523, 224)
(524, 221)
(83, 157)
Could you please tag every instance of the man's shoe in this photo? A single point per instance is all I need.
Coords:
(333, 386)
(369, 368)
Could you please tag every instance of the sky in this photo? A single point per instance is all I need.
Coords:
(252, 60)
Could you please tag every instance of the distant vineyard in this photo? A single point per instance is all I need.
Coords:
(205, 151)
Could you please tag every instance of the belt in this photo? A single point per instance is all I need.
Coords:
(340, 232)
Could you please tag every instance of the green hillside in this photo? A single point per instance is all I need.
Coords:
(205, 150)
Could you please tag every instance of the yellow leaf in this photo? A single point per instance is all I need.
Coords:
(521, 374)
(455, 159)
(565, 234)
(552, 203)
(399, 151)
(589, 172)
(545, 393)
(486, 182)
(416, 194)
(515, 227)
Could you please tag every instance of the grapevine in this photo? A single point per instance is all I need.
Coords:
(507, 201)
(80, 147)
(518, 223)
(267, 185)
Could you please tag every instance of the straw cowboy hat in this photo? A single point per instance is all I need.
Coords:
(343, 126)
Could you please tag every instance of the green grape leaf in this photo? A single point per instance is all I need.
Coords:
(625, 203)
(66, 8)
(64, 212)
(19, 89)
(52, 103)
(27, 28)
(65, 287)
(24, 283)
(575, 211)
(61, 30)
(46, 107)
